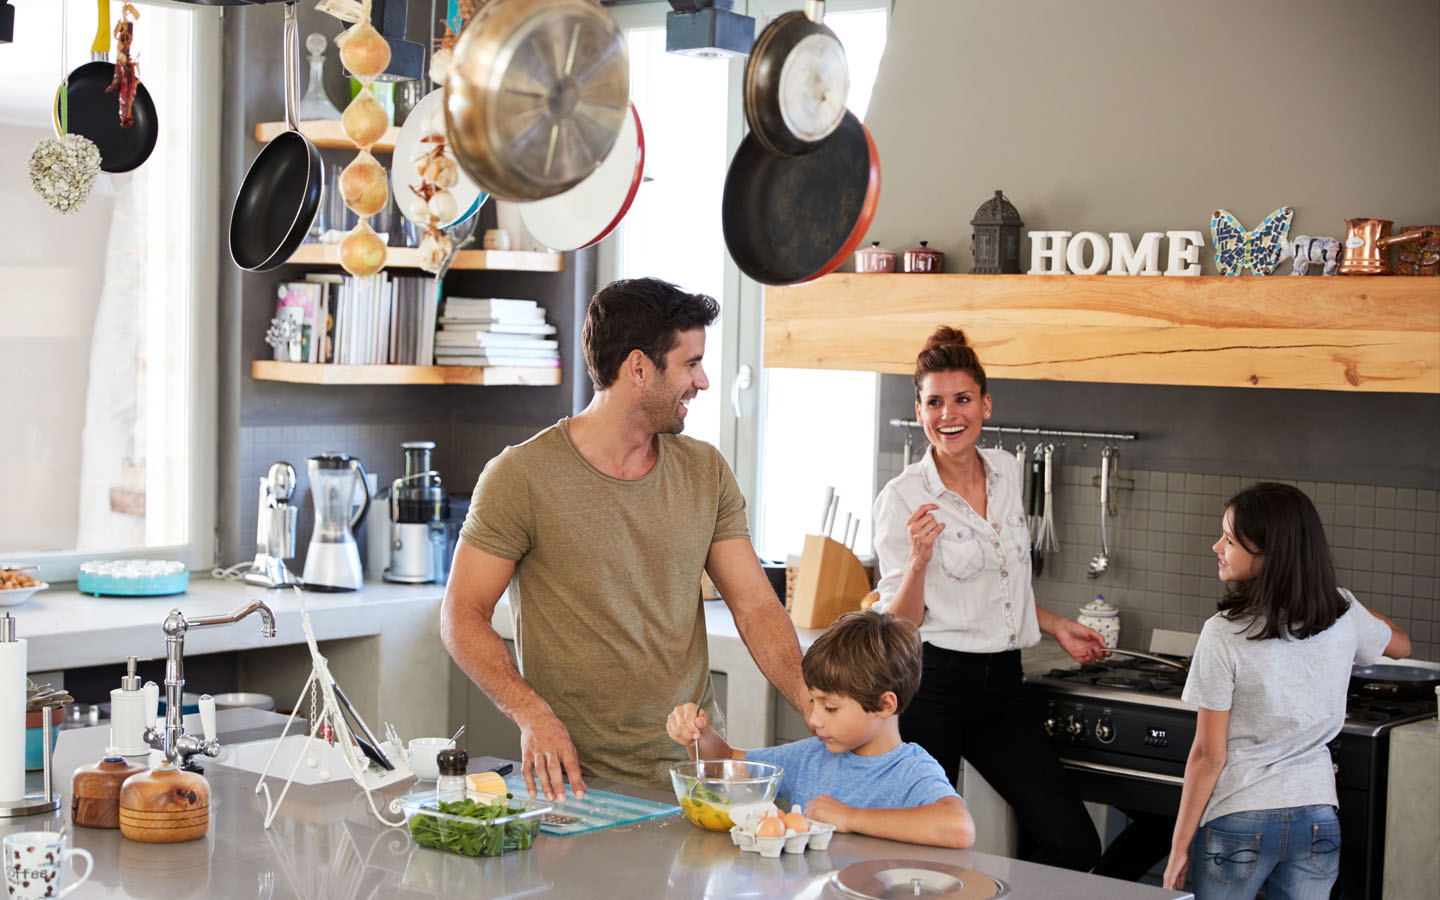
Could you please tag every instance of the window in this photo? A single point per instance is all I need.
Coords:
(108, 363)
(802, 430)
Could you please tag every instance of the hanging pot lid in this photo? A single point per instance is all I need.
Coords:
(591, 209)
(536, 95)
(879, 879)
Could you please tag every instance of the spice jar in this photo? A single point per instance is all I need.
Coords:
(874, 258)
(450, 786)
(923, 259)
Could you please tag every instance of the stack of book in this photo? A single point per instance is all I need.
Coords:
(495, 332)
(357, 321)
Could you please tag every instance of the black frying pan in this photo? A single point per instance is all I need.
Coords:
(281, 192)
(796, 80)
(95, 114)
(1401, 682)
(793, 219)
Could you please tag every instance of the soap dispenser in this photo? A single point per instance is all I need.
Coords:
(127, 713)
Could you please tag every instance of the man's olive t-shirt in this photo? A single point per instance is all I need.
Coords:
(611, 626)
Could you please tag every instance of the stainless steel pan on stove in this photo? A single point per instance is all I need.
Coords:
(1400, 682)
(1183, 664)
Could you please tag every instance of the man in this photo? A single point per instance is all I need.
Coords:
(601, 525)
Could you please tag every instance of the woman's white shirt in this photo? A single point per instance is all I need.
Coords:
(1286, 699)
(978, 596)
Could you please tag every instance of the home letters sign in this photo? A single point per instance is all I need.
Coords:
(1061, 252)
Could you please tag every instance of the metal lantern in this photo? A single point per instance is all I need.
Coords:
(995, 242)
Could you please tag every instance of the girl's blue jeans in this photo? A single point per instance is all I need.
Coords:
(1293, 853)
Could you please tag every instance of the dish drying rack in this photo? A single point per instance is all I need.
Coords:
(330, 724)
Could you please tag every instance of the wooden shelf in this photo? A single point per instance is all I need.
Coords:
(1337, 333)
(316, 373)
(325, 133)
(409, 258)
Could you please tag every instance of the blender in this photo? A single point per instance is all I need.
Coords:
(419, 509)
(332, 562)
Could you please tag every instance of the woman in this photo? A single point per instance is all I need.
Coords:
(954, 551)
(1269, 676)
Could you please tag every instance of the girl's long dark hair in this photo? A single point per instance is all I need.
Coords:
(1294, 594)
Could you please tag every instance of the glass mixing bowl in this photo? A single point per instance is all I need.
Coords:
(716, 794)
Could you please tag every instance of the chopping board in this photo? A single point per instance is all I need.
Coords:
(599, 809)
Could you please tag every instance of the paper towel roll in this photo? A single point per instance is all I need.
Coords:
(12, 715)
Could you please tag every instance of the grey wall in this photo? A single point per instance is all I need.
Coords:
(261, 422)
(1134, 116)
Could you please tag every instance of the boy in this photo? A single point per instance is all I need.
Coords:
(855, 773)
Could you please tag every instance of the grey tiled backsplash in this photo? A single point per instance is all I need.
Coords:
(1384, 540)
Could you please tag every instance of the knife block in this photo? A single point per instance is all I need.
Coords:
(831, 582)
(164, 806)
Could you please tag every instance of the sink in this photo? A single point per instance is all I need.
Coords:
(320, 763)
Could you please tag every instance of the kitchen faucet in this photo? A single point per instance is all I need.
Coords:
(178, 746)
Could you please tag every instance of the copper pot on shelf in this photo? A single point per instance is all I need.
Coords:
(922, 259)
(1366, 244)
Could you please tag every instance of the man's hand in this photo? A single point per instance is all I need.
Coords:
(687, 724)
(826, 808)
(547, 756)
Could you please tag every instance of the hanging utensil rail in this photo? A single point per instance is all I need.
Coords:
(1018, 429)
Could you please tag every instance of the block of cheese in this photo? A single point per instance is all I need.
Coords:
(489, 784)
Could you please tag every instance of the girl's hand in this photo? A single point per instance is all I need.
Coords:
(687, 724)
(924, 531)
(826, 808)
(1175, 870)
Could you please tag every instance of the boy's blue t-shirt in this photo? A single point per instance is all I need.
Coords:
(904, 777)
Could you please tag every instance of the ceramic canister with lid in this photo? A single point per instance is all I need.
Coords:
(1102, 617)
(923, 259)
(874, 258)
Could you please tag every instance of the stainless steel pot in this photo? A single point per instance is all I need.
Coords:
(536, 95)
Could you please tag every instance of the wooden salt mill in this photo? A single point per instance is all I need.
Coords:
(95, 792)
(164, 806)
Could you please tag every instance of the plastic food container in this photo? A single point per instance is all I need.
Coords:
(491, 830)
(132, 578)
(717, 794)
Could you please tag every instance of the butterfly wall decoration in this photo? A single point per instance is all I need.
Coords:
(1258, 250)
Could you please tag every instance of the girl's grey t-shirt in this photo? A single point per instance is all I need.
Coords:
(1287, 701)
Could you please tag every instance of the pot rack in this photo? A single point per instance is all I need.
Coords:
(1053, 432)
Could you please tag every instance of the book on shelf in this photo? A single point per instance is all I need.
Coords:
(531, 316)
(491, 339)
(473, 328)
(470, 349)
(486, 360)
(488, 306)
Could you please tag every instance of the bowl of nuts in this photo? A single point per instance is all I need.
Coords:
(19, 581)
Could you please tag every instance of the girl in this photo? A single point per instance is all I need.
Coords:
(1269, 676)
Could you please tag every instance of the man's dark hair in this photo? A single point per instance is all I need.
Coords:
(644, 314)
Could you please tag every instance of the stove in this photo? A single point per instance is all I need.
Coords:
(1123, 732)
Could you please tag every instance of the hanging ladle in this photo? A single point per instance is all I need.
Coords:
(1101, 560)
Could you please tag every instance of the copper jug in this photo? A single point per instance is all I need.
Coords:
(1367, 243)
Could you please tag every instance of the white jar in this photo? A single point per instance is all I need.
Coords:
(1102, 617)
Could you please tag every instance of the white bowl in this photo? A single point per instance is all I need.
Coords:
(17, 596)
(422, 756)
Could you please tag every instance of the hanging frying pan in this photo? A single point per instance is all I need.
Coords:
(796, 80)
(410, 147)
(281, 192)
(591, 209)
(96, 114)
(536, 95)
(788, 220)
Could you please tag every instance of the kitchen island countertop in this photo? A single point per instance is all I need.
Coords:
(325, 843)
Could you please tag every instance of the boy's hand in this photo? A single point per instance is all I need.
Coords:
(687, 724)
(826, 808)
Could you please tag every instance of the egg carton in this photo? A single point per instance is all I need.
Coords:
(817, 838)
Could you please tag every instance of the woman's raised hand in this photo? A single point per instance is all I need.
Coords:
(924, 531)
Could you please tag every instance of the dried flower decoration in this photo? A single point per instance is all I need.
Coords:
(63, 169)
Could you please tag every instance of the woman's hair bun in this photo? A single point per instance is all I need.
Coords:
(945, 336)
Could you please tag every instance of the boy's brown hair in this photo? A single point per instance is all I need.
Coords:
(863, 655)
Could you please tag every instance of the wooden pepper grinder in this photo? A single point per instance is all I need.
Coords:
(95, 792)
(164, 806)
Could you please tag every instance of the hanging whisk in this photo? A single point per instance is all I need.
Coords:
(1047, 542)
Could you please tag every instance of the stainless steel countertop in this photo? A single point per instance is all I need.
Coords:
(325, 843)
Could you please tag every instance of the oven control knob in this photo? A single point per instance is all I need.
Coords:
(1052, 727)
(1076, 726)
(1104, 731)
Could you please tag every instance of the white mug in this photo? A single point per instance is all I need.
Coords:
(35, 864)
